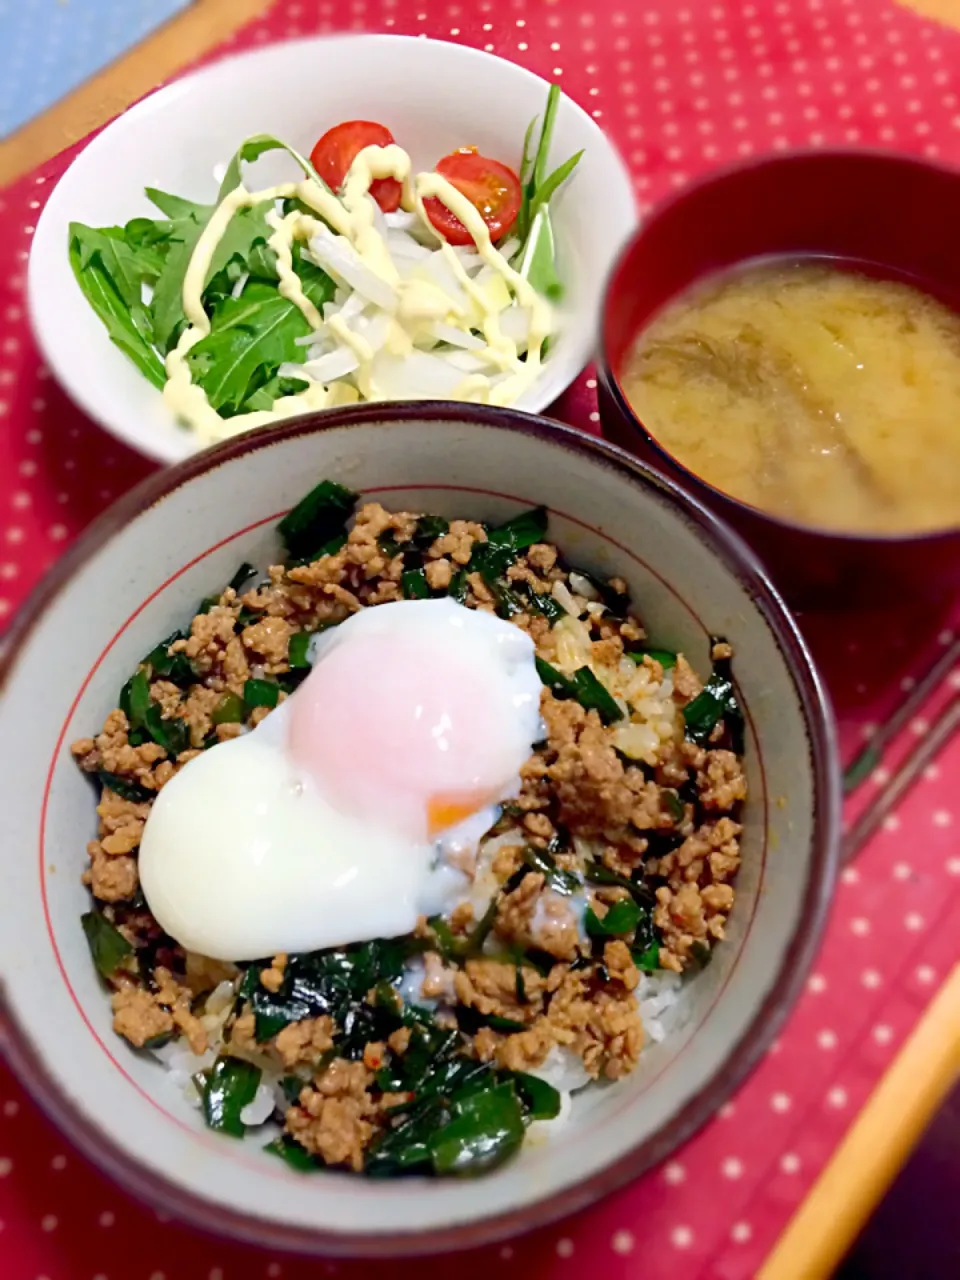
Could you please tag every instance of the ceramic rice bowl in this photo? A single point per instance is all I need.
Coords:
(138, 574)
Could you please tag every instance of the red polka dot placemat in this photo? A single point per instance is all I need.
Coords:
(680, 89)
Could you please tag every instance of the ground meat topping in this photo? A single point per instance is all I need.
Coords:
(335, 1116)
(720, 780)
(493, 988)
(531, 916)
(686, 682)
(272, 978)
(305, 1042)
(138, 1017)
(642, 803)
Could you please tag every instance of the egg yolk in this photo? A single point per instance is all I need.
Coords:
(406, 730)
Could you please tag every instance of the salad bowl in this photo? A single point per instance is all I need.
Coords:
(435, 97)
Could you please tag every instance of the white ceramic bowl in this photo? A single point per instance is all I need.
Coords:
(433, 95)
(138, 574)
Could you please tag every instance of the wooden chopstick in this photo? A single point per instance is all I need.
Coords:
(874, 1149)
(932, 743)
(871, 755)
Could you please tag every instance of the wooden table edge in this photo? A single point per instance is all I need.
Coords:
(187, 36)
(876, 1146)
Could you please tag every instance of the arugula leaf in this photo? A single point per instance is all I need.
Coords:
(125, 326)
(107, 944)
(666, 659)
(261, 693)
(622, 918)
(246, 229)
(251, 336)
(584, 686)
(716, 702)
(149, 236)
(126, 789)
(262, 262)
(251, 149)
(265, 396)
(316, 518)
(166, 305)
(486, 1129)
(229, 1085)
(177, 208)
(120, 260)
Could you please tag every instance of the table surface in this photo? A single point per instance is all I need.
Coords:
(680, 89)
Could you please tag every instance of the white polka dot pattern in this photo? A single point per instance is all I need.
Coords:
(681, 90)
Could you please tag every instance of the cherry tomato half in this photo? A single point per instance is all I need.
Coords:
(338, 148)
(491, 187)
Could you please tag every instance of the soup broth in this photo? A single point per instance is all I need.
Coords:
(819, 394)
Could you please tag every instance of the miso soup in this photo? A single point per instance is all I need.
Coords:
(819, 394)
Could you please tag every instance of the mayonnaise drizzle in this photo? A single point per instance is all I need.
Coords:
(353, 216)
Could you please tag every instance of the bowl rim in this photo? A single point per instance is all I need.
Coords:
(618, 280)
(154, 445)
(162, 1190)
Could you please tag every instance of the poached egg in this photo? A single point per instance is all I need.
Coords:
(341, 817)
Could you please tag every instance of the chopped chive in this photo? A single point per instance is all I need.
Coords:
(623, 917)
(666, 659)
(415, 585)
(298, 649)
(229, 710)
(107, 944)
(260, 693)
(126, 789)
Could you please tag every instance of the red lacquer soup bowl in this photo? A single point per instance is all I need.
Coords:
(889, 215)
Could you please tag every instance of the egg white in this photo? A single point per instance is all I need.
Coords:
(243, 856)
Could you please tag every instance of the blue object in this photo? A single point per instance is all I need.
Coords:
(48, 47)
